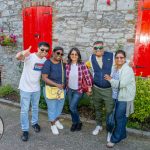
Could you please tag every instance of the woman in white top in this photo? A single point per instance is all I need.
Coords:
(122, 80)
(76, 70)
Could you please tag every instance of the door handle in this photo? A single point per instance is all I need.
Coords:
(139, 66)
(37, 35)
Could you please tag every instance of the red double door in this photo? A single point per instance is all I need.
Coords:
(142, 41)
(37, 27)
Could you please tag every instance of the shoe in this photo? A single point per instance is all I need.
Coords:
(36, 127)
(110, 145)
(25, 136)
(59, 125)
(73, 127)
(96, 130)
(79, 126)
(54, 130)
(109, 136)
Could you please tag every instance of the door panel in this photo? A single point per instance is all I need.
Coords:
(142, 42)
(37, 26)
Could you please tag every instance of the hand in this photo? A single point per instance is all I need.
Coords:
(89, 93)
(60, 86)
(107, 77)
(26, 52)
(89, 89)
(64, 61)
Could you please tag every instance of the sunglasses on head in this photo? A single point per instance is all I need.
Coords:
(98, 48)
(59, 54)
(46, 50)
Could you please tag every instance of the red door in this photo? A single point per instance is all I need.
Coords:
(142, 42)
(37, 26)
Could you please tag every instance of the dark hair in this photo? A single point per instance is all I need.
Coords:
(79, 55)
(58, 48)
(120, 52)
(98, 42)
(45, 44)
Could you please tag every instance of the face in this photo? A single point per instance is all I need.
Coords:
(120, 59)
(43, 51)
(74, 56)
(58, 55)
(98, 49)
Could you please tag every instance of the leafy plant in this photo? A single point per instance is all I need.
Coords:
(142, 100)
(7, 40)
(6, 90)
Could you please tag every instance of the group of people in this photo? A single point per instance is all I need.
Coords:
(112, 83)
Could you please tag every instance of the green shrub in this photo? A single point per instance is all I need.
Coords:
(6, 90)
(142, 100)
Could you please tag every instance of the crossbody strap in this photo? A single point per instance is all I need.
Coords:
(62, 67)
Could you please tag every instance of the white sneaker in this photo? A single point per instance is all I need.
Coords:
(110, 145)
(54, 130)
(59, 125)
(96, 130)
(109, 136)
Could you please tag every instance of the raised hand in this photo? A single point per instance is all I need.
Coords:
(27, 51)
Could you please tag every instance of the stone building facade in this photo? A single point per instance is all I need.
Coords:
(75, 23)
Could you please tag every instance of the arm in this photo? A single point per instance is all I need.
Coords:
(21, 55)
(50, 82)
(127, 77)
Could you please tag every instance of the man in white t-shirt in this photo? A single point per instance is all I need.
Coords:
(30, 86)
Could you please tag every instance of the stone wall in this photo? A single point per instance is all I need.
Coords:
(80, 23)
(75, 23)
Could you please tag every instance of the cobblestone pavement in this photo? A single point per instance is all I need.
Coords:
(66, 140)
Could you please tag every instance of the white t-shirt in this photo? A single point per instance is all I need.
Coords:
(30, 78)
(73, 77)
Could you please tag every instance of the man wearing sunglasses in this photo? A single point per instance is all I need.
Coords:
(101, 63)
(30, 86)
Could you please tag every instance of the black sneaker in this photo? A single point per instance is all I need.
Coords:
(25, 136)
(79, 126)
(73, 127)
(36, 127)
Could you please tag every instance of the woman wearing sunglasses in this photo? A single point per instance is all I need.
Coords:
(53, 74)
(123, 86)
(75, 71)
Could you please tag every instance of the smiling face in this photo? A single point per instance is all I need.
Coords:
(58, 55)
(74, 56)
(43, 51)
(120, 59)
(98, 49)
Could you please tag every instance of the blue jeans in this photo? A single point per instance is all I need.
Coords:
(54, 107)
(119, 132)
(26, 98)
(74, 97)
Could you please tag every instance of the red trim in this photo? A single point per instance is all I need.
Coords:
(108, 2)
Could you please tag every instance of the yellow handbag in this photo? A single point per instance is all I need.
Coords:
(54, 93)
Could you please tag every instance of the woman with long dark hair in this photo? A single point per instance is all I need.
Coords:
(75, 72)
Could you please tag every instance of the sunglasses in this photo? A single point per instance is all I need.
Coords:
(59, 54)
(119, 57)
(98, 48)
(73, 54)
(46, 50)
